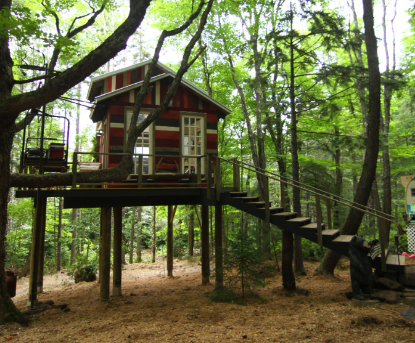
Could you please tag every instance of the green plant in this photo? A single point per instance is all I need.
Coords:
(83, 267)
(244, 270)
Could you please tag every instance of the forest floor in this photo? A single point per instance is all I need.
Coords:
(156, 308)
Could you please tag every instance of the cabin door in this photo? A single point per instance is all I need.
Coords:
(192, 141)
(143, 145)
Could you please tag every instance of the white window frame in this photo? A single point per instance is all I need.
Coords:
(128, 114)
(183, 146)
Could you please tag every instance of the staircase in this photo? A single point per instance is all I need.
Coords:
(331, 239)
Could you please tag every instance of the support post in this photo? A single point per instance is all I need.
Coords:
(236, 176)
(41, 267)
(383, 243)
(74, 168)
(328, 205)
(100, 245)
(199, 171)
(35, 254)
(266, 199)
(205, 245)
(117, 270)
(282, 192)
(170, 217)
(209, 176)
(218, 181)
(319, 228)
(218, 247)
(105, 258)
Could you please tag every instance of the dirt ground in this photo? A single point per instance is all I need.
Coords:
(155, 308)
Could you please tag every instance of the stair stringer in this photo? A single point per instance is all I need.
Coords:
(288, 221)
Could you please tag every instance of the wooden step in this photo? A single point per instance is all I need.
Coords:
(329, 232)
(299, 220)
(312, 226)
(286, 214)
(273, 209)
(238, 194)
(343, 238)
(259, 204)
(247, 199)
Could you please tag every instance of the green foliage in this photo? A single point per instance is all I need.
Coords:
(244, 270)
(83, 267)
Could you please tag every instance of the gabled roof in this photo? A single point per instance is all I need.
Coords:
(98, 80)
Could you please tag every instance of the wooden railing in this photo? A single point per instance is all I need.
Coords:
(200, 176)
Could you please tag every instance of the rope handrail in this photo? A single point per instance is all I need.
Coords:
(313, 190)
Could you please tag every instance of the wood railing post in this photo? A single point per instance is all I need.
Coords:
(282, 192)
(199, 171)
(236, 177)
(218, 181)
(74, 168)
(209, 176)
(140, 172)
(318, 215)
(328, 205)
(383, 242)
(266, 198)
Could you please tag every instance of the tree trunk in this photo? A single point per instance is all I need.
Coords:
(8, 311)
(288, 279)
(372, 146)
(338, 178)
(295, 165)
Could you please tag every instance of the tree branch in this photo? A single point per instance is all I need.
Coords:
(124, 168)
(11, 106)
(41, 77)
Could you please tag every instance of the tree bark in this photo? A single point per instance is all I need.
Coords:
(295, 165)
(288, 279)
(372, 143)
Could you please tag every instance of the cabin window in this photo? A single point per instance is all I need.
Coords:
(143, 144)
(193, 137)
(412, 192)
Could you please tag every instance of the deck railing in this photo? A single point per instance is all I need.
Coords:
(197, 175)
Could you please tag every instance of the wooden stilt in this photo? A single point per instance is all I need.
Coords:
(205, 245)
(34, 260)
(100, 246)
(218, 247)
(170, 240)
(117, 270)
(105, 254)
(41, 267)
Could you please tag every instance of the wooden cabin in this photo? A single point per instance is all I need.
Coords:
(170, 145)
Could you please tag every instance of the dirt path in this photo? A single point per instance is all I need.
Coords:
(155, 308)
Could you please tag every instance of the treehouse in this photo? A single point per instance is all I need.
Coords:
(174, 165)
(171, 149)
